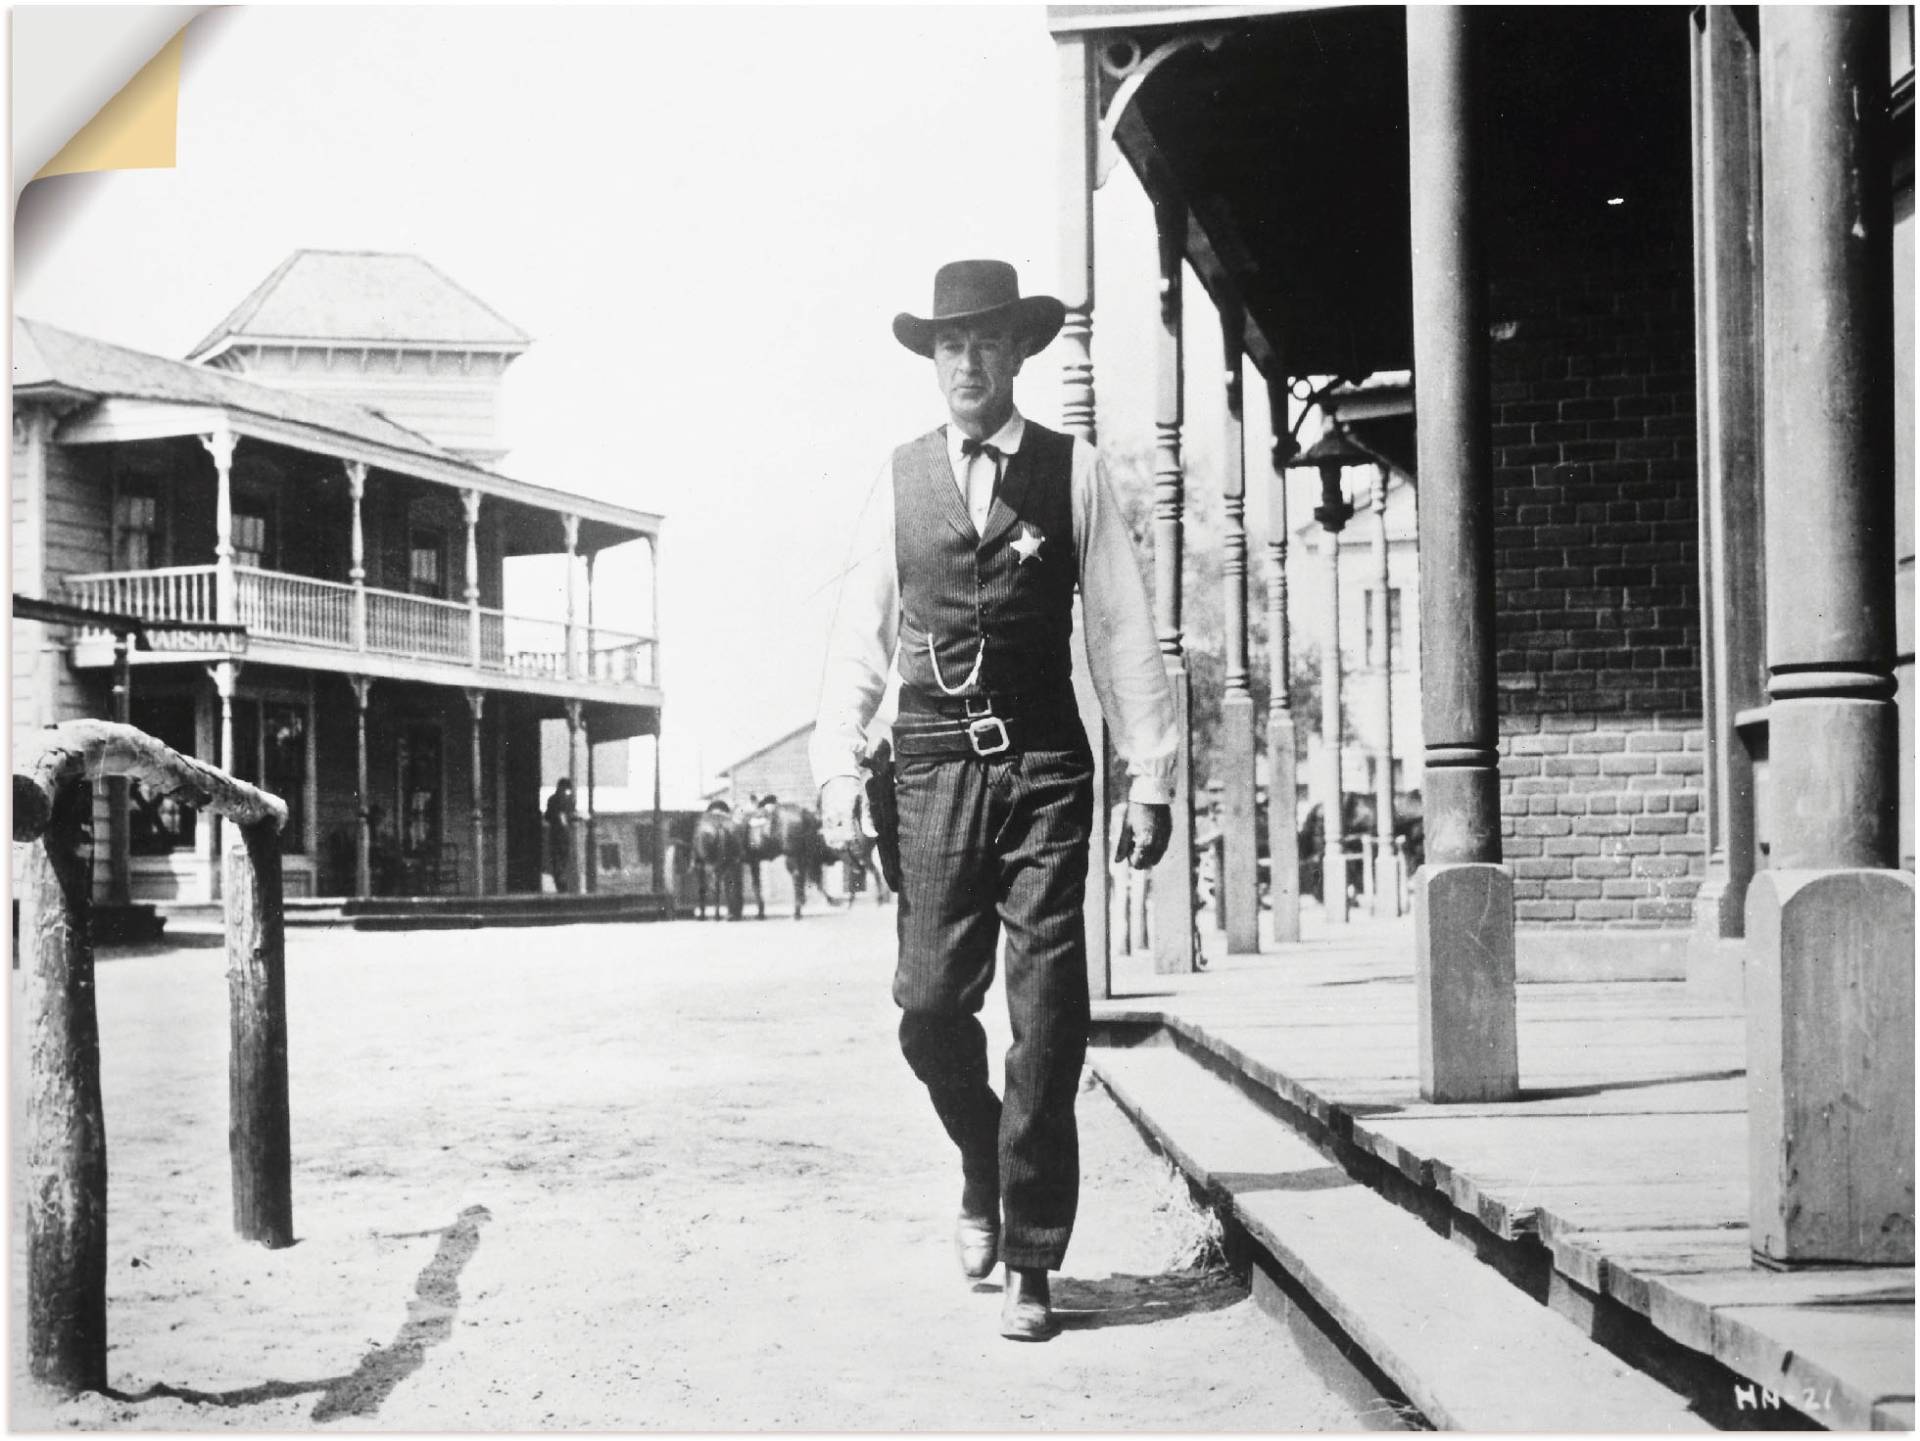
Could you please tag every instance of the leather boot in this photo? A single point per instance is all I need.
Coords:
(977, 1241)
(1026, 1310)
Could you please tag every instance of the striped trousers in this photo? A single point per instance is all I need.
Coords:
(990, 846)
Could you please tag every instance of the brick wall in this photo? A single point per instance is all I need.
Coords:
(1603, 818)
(1596, 565)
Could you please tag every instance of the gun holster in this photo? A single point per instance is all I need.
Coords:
(883, 809)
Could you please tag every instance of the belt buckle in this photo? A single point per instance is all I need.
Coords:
(984, 728)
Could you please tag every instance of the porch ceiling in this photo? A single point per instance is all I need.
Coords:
(1288, 141)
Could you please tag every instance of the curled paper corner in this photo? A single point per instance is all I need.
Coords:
(137, 129)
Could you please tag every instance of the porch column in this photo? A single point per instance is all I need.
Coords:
(477, 703)
(119, 832)
(311, 780)
(1726, 187)
(659, 822)
(590, 865)
(1238, 890)
(1386, 880)
(588, 672)
(357, 571)
(1173, 903)
(226, 605)
(1830, 922)
(571, 525)
(574, 857)
(363, 832)
(653, 612)
(1075, 132)
(1283, 785)
(470, 502)
(225, 675)
(1463, 896)
(1333, 819)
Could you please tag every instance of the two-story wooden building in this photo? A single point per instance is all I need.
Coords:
(320, 474)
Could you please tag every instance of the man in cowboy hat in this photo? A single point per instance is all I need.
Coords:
(972, 545)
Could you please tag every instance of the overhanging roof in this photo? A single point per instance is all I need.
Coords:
(47, 355)
(136, 396)
(1286, 144)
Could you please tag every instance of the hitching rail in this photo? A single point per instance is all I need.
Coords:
(54, 773)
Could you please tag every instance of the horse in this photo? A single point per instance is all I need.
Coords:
(774, 829)
(719, 849)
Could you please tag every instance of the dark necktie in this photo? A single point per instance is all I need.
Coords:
(969, 448)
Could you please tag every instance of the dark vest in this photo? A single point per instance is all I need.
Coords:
(961, 587)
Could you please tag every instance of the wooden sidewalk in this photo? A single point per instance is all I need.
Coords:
(1626, 1156)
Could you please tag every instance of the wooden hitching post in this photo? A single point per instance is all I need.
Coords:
(66, 1128)
(259, 1128)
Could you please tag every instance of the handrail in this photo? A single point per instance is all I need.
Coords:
(154, 570)
(286, 575)
(421, 600)
(66, 1147)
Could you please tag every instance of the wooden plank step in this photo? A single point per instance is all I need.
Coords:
(1470, 1350)
(1849, 1365)
(1837, 1364)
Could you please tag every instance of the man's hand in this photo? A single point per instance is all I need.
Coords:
(1152, 828)
(842, 801)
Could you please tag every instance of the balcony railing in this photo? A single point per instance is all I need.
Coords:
(297, 608)
(420, 626)
(292, 607)
(181, 592)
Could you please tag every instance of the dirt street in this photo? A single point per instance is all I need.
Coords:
(640, 1177)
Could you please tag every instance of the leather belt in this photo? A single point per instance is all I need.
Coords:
(977, 728)
(985, 736)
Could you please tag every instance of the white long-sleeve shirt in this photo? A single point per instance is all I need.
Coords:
(1124, 657)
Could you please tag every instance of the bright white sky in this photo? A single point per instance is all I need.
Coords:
(706, 217)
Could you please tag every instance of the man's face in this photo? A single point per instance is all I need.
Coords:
(976, 367)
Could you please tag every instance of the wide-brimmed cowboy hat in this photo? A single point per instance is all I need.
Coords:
(970, 292)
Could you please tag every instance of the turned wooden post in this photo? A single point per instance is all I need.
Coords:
(1830, 921)
(357, 564)
(1076, 134)
(220, 444)
(1237, 892)
(576, 857)
(1283, 817)
(1174, 945)
(470, 504)
(363, 830)
(226, 680)
(477, 704)
(1333, 785)
(1463, 897)
(570, 527)
(259, 1138)
(66, 1150)
(590, 850)
(1386, 884)
(659, 823)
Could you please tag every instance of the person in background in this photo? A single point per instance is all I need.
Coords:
(559, 826)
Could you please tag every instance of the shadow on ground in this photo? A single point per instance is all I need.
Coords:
(361, 1393)
(1122, 1300)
